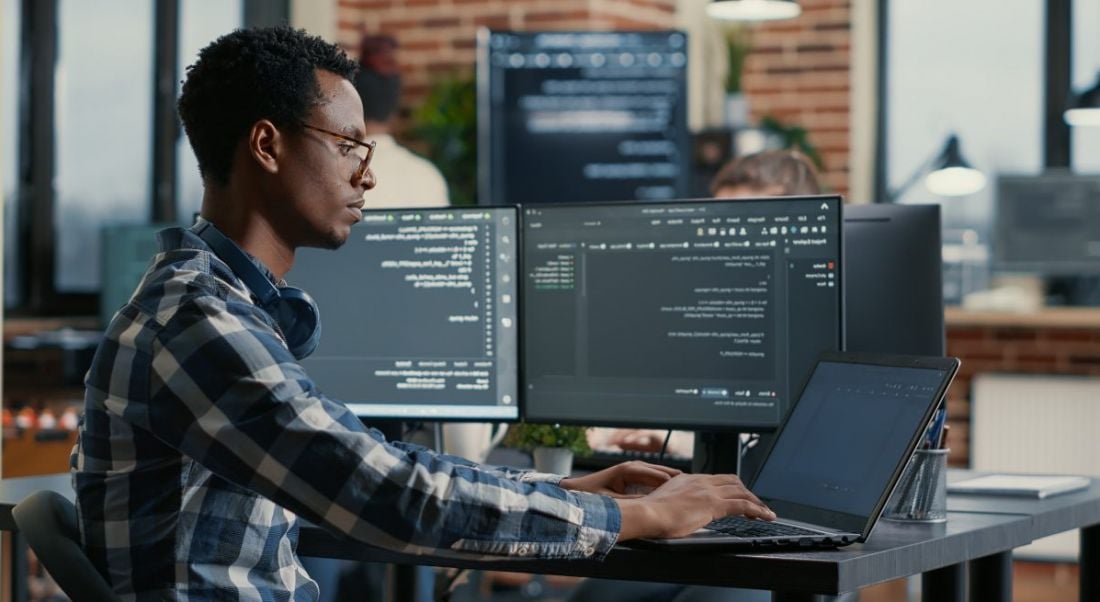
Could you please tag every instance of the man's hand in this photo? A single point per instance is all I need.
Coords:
(643, 440)
(687, 502)
(628, 479)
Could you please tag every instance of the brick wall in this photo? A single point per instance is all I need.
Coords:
(439, 36)
(799, 72)
(1021, 349)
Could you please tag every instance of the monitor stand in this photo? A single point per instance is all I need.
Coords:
(717, 452)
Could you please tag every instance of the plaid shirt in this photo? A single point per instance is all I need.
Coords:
(203, 441)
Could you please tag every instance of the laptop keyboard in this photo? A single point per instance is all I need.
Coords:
(743, 527)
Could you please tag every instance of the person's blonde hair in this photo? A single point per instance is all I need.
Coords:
(790, 169)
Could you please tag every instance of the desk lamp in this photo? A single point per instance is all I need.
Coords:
(949, 174)
(1085, 107)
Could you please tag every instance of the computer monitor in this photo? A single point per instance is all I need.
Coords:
(893, 279)
(701, 314)
(126, 251)
(1048, 224)
(582, 116)
(419, 318)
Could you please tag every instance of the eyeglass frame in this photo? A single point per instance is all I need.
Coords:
(364, 163)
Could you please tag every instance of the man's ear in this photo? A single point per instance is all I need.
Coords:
(266, 145)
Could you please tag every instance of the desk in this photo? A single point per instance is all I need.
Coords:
(979, 535)
(1080, 509)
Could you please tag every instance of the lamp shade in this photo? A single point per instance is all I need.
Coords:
(952, 175)
(1085, 107)
(753, 10)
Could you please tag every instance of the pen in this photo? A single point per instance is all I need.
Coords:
(943, 436)
(933, 435)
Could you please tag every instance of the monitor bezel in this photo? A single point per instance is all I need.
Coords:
(487, 196)
(666, 424)
(413, 417)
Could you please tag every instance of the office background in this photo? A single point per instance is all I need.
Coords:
(89, 140)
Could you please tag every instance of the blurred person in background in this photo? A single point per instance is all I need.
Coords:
(405, 179)
(767, 173)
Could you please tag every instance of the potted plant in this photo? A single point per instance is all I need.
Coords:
(552, 445)
(792, 136)
(738, 46)
(446, 122)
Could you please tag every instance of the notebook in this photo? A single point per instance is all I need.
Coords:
(1020, 485)
(837, 456)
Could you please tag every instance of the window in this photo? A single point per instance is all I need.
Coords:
(200, 23)
(1086, 71)
(979, 74)
(102, 130)
(79, 146)
(9, 111)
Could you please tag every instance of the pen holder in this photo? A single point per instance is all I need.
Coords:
(921, 494)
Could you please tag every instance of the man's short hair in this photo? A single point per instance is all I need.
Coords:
(249, 75)
(791, 170)
(379, 77)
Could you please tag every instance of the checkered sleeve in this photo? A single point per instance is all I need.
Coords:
(226, 391)
(504, 472)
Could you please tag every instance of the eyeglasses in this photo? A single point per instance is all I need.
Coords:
(364, 163)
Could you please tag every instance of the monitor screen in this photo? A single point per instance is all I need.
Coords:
(419, 315)
(582, 116)
(893, 279)
(690, 314)
(1048, 224)
(849, 432)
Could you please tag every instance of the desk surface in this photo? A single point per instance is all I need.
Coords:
(1047, 317)
(1049, 516)
(977, 526)
(894, 550)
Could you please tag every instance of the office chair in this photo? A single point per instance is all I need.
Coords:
(48, 522)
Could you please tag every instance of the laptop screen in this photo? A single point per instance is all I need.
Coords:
(847, 434)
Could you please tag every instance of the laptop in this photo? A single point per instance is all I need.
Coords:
(837, 456)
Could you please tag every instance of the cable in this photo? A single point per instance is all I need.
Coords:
(664, 446)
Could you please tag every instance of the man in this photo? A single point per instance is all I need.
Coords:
(415, 181)
(204, 440)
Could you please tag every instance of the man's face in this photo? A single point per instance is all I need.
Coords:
(323, 196)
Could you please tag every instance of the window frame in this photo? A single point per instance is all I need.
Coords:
(1057, 83)
(36, 197)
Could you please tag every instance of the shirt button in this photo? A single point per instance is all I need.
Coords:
(523, 550)
(589, 551)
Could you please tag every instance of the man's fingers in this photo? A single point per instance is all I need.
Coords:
(725, 479)
(738, 492)
(665, 469)
(749, 510)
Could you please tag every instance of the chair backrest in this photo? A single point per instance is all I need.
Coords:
(48, 522)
